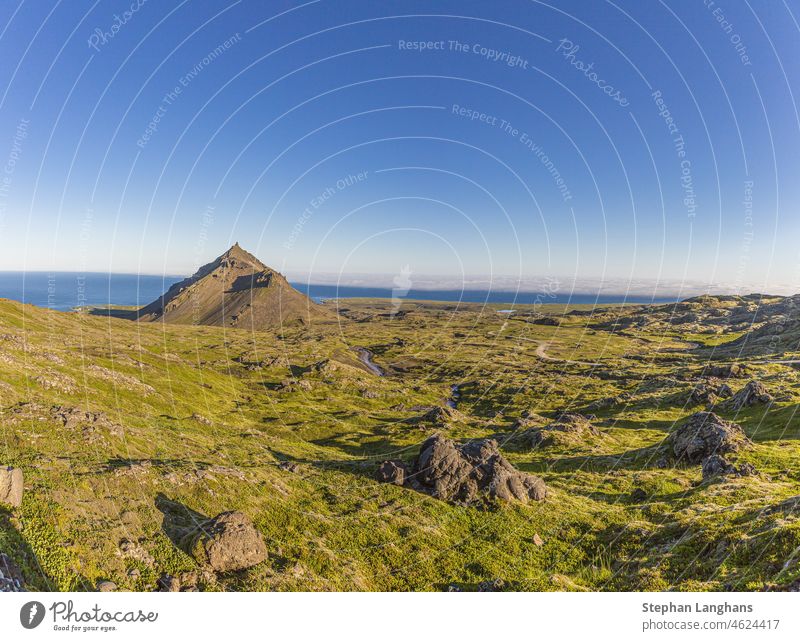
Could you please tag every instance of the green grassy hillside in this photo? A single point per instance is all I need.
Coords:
(109, 418)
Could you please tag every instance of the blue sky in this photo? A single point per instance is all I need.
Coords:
(521, 140)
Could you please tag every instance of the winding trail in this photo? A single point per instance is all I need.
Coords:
(365, 356)
(541, 352)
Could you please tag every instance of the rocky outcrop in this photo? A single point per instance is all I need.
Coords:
(715, 465)
(710, 392)
(751, 394)
(731, 370)
(705, 434)
(11, 485)
(227, 543)
(567, 429)
(438, 416)
(395, 472)
(472, 472)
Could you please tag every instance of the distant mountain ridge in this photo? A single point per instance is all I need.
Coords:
(235, 290)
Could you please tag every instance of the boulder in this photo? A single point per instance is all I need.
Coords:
(227, 543)
(716, 465)
(731, 370)
(395, 472)
(704, 434)
(472, 472)
(710, 391)
(11, 484)
(755, 392)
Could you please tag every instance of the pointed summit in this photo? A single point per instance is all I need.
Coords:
(235, 290)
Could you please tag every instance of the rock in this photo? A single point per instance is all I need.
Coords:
(395, 472)
(638, 495)
(106, 586)
(710, 392)
(751, 394)
(716, 465)
(169, 583)
(732, 370)
(471, 472)
(11, 579)
(288, 466)
(439, 416)
(228, 542)
(704, 434)
(496, 585)
(537, 541)
(567, 429)
(11, 485)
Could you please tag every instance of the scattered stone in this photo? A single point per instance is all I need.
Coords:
(11, 485)
(537, 541)
(395, 472)
(610, 401)
(57, 382)
(136, 551)
(567, 429)
(169, 583)
(751, 394)
(709, 392)
(470, 472)
(731, 370)
(130, 383)
(638, 495)
(201, 419)
(704, 434)
(132, 468)
(11, 579)
(438, 416)
(495, 585)
(288, 466)
(228, 542)
(106, 586)
(716, 465)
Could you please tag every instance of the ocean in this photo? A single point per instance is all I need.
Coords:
(64, 291)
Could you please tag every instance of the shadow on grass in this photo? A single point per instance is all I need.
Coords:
(19, 551)
(180, 522)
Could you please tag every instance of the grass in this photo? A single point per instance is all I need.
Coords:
(204, 416)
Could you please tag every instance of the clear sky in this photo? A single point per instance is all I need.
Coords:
(622, 140)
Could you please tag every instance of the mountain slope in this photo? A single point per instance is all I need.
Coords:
(235, 290)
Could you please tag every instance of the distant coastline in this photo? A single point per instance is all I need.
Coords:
(64, 291)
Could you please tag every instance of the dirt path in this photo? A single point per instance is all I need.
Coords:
(541, 352)
(365, 356)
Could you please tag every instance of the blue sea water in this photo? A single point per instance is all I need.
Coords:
(64, 291)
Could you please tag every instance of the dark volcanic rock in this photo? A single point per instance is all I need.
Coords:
(471, 472)
(227, 543)
(731, 370)
(716, 465)
(710, 391)
(704, 434)
(395, 472)
(752, 393)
